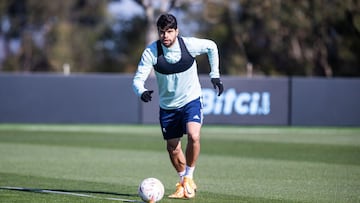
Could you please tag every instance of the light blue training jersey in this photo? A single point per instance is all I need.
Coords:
(177, 89)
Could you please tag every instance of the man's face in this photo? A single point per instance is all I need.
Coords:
(168, 36)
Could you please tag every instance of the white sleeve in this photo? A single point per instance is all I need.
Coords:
(198, 46)
(144, 69)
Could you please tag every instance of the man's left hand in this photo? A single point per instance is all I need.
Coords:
(217, 83)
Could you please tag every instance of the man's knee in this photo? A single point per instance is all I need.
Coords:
(173, 147)
(194, 137)
(193, 131)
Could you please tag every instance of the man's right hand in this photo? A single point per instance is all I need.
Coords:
(146, 96)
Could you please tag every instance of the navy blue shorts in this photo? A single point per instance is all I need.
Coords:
(173, 122)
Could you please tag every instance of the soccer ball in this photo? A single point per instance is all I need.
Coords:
(151, 189)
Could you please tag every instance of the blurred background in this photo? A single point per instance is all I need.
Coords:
(255, 37)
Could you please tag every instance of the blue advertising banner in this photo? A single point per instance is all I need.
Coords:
(244, 102)
(55, 98)
(325, 102)
(109, 99)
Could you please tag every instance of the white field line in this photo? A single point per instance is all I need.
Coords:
(66, 193)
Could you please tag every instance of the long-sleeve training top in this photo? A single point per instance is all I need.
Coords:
(176, 89)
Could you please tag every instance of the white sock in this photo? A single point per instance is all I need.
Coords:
(189, 171)
(181, 175)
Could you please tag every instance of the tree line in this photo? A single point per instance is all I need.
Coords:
(255, 37)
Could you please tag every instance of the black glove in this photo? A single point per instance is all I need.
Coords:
(146, 96)
(217, 83)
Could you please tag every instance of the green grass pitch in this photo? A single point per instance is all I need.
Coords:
(236, 164)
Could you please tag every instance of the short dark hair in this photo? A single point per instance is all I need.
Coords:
(166, 21)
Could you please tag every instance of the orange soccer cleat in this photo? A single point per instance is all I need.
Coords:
(189, 187)
(179, 193)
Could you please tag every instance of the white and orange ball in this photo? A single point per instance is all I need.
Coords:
(151, 190)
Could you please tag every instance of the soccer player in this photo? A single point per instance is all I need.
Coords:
(173, 59)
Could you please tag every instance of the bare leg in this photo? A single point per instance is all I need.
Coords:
(187, 187)
(193, 145)
(176, 154)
